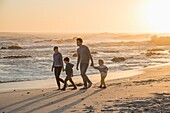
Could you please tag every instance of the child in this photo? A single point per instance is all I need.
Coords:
(69, 73)
(103, 71)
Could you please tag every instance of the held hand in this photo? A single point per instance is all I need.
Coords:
(92, 64)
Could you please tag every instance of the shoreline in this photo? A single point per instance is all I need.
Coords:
(51, 83)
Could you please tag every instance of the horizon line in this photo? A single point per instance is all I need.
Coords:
(85, 32)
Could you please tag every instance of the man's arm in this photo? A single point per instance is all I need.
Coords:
(52, 64)
(52, 68)
(91, 60)
(78, 61)
(90, 56)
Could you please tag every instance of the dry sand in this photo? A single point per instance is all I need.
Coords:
(149, 91)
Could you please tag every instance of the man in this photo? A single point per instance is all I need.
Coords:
(84, 56)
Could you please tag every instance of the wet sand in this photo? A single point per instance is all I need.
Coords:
(148, 90)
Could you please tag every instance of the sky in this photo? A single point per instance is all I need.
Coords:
(85, 16)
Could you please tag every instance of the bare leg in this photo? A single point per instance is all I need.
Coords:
(103, 82)
(83, 69)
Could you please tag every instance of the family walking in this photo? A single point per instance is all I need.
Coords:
(83, 61)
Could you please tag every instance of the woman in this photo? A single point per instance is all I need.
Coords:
(57, 66)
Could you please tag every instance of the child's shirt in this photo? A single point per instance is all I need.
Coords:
(103, 70)
(69, 69)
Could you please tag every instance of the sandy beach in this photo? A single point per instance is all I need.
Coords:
(143, 90)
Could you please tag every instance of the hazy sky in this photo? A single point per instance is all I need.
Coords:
(84, 16)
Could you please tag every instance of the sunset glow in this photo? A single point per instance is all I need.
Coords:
(157, 15)
(132, 16)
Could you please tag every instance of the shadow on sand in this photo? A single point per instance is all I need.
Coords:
(62, 109)
(160, 102)
(33, 100)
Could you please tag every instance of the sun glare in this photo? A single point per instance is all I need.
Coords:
(156, 14)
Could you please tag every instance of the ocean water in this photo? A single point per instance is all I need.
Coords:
(40, 47)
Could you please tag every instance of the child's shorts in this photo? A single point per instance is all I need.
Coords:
(103, 74)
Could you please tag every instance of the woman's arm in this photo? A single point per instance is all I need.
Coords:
(62, 61)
